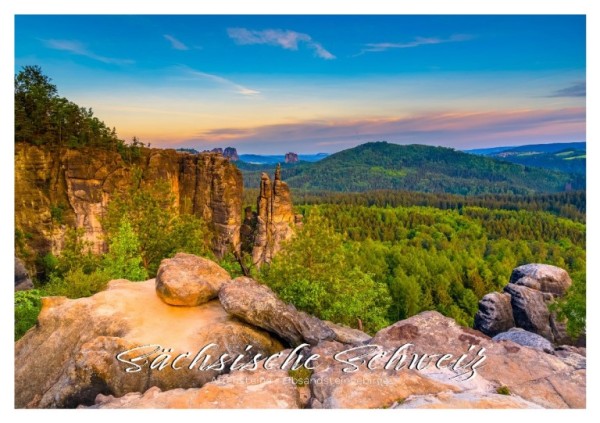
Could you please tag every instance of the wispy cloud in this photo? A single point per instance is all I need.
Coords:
(284, 38)
(416, 42)
(459, 130)
(239, 89)
(577, 89)
(77, 48)
(175, 43)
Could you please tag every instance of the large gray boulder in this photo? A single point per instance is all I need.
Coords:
(22, 279)
(495, 314)
(188, 280)
(530, 310)
(258, 305)
(542, 277)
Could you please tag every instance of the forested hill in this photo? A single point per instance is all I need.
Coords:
(381, 165)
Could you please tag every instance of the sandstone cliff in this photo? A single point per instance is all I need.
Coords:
(275, 218)
(55, 189)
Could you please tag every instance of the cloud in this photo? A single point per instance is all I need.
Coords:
(77, 48)
(458, 130)
(284, 38)
(417, 42)
(239, 89)
(175, 43)
(577, 89)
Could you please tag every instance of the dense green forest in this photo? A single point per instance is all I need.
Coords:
(411, 259)
(380, 165)
(571, 158)
(571, 204)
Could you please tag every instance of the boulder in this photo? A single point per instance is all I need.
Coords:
(188, 280)
(347, 335)
(527, 339)
(530, 310)
(70, 355)
(258, 305)
(542, 277)
(495, 314)
(22, 280)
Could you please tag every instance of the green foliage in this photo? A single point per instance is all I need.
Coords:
(154, 219)
(123, 259)
(27, 308)
(76, 283)
(441, 260)
(44, 118)
(381, 166)
(503, 390)
(317, 272)
(572, 307)
(57, 212)
(300, 376)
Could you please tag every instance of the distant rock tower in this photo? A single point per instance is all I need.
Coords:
(276, 221)
(291, 157)
(231, 154)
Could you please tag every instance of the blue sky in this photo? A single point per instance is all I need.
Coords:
(271, 84)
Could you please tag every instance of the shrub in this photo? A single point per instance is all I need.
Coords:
(27, 308)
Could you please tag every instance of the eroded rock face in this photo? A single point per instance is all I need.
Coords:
(347, 335)
(70, 356)
(532, 375)
(72, 188)
(275, 218)
(524, 304)
(530, 310)
(258, 305)
(188, 280)
(259, 388)
(495, 314)
(542, 277)
(22, 280)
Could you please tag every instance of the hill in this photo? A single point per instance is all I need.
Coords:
(565, 157)
(274, 159)
(381, 165)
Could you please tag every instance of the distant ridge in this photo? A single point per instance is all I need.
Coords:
(381, 165)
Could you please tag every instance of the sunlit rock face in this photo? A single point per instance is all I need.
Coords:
(276, 221)
(57, 189)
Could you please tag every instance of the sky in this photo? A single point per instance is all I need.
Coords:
(309, 84)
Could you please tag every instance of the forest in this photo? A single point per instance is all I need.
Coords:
(365, 259)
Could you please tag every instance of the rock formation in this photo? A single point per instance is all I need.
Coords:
(188, 280)
(231, 154)
(524, 303)
(78, 353)
(275, 218)
(70, 355)
(22, 280)
(56, 189)
(258, 305)
(291, 158)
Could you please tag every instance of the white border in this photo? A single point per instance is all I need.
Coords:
(9, 8)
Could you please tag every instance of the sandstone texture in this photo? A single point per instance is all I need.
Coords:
(524, 304)
(70, 356)
(188, 280)
(57, 189)
(258, 305)
(527, 339)
(275, 219)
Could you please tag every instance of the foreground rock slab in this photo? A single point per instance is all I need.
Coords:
(188, 280)
(258, 305)
(70, 356)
